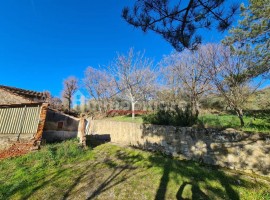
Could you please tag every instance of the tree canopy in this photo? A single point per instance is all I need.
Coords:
(251, 37)
(70, 87)
(178, 21)
(225, 70)
(134, 77)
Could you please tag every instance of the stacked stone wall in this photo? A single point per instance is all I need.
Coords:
(228, 148)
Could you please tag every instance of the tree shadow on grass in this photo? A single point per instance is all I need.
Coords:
(22, 185)
(195, 173)
(161, 192)
(258, 127)
(76, 182)
(105, 184)
(55, 177)
(187, 170)
(196, 192)
(125, 164)
(125, 170)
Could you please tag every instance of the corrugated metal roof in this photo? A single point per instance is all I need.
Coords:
(19, 120)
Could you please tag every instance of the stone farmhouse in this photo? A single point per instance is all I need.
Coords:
(26, 115)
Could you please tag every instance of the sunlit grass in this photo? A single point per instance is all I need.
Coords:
(126, 118)
(252, 124)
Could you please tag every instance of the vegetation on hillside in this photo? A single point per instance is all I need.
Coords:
(255, 121)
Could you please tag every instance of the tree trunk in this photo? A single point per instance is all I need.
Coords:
(69, 105)
(194, 108)
(240, 116)
(99, 107)
(132, 110)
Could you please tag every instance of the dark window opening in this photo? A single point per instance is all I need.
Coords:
(60, 125)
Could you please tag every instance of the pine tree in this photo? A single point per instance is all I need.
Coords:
(178, 22)
(251, 37)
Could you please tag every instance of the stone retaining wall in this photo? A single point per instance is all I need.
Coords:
(58, 136)
(228, 148)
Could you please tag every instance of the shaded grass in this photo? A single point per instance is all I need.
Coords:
(112, 172)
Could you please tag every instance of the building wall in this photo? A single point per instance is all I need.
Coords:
(59, 127)
(58, 136)
(54, 118)
(9, 98)
(229, 148)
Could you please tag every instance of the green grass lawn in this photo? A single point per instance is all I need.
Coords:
(126, 118)
(64, 171)
(252, 124)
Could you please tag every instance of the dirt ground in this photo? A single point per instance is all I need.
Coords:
(16, 149)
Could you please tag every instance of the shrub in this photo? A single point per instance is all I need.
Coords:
(213, 103)
(176, 117)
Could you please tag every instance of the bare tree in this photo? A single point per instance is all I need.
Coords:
(56, 103)
(170, 90)
(184, 71)
(46, 97)
(134, 77)
(70, 87)
(228, 73)
(100, 86)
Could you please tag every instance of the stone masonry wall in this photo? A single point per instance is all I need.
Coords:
(58, 136)
(9, 98)
(53, 118)
(228, 148)
(52, 132)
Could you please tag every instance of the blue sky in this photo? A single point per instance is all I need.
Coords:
(42, 42)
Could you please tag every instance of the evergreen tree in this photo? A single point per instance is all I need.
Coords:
(178, 22)
(250, 38)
